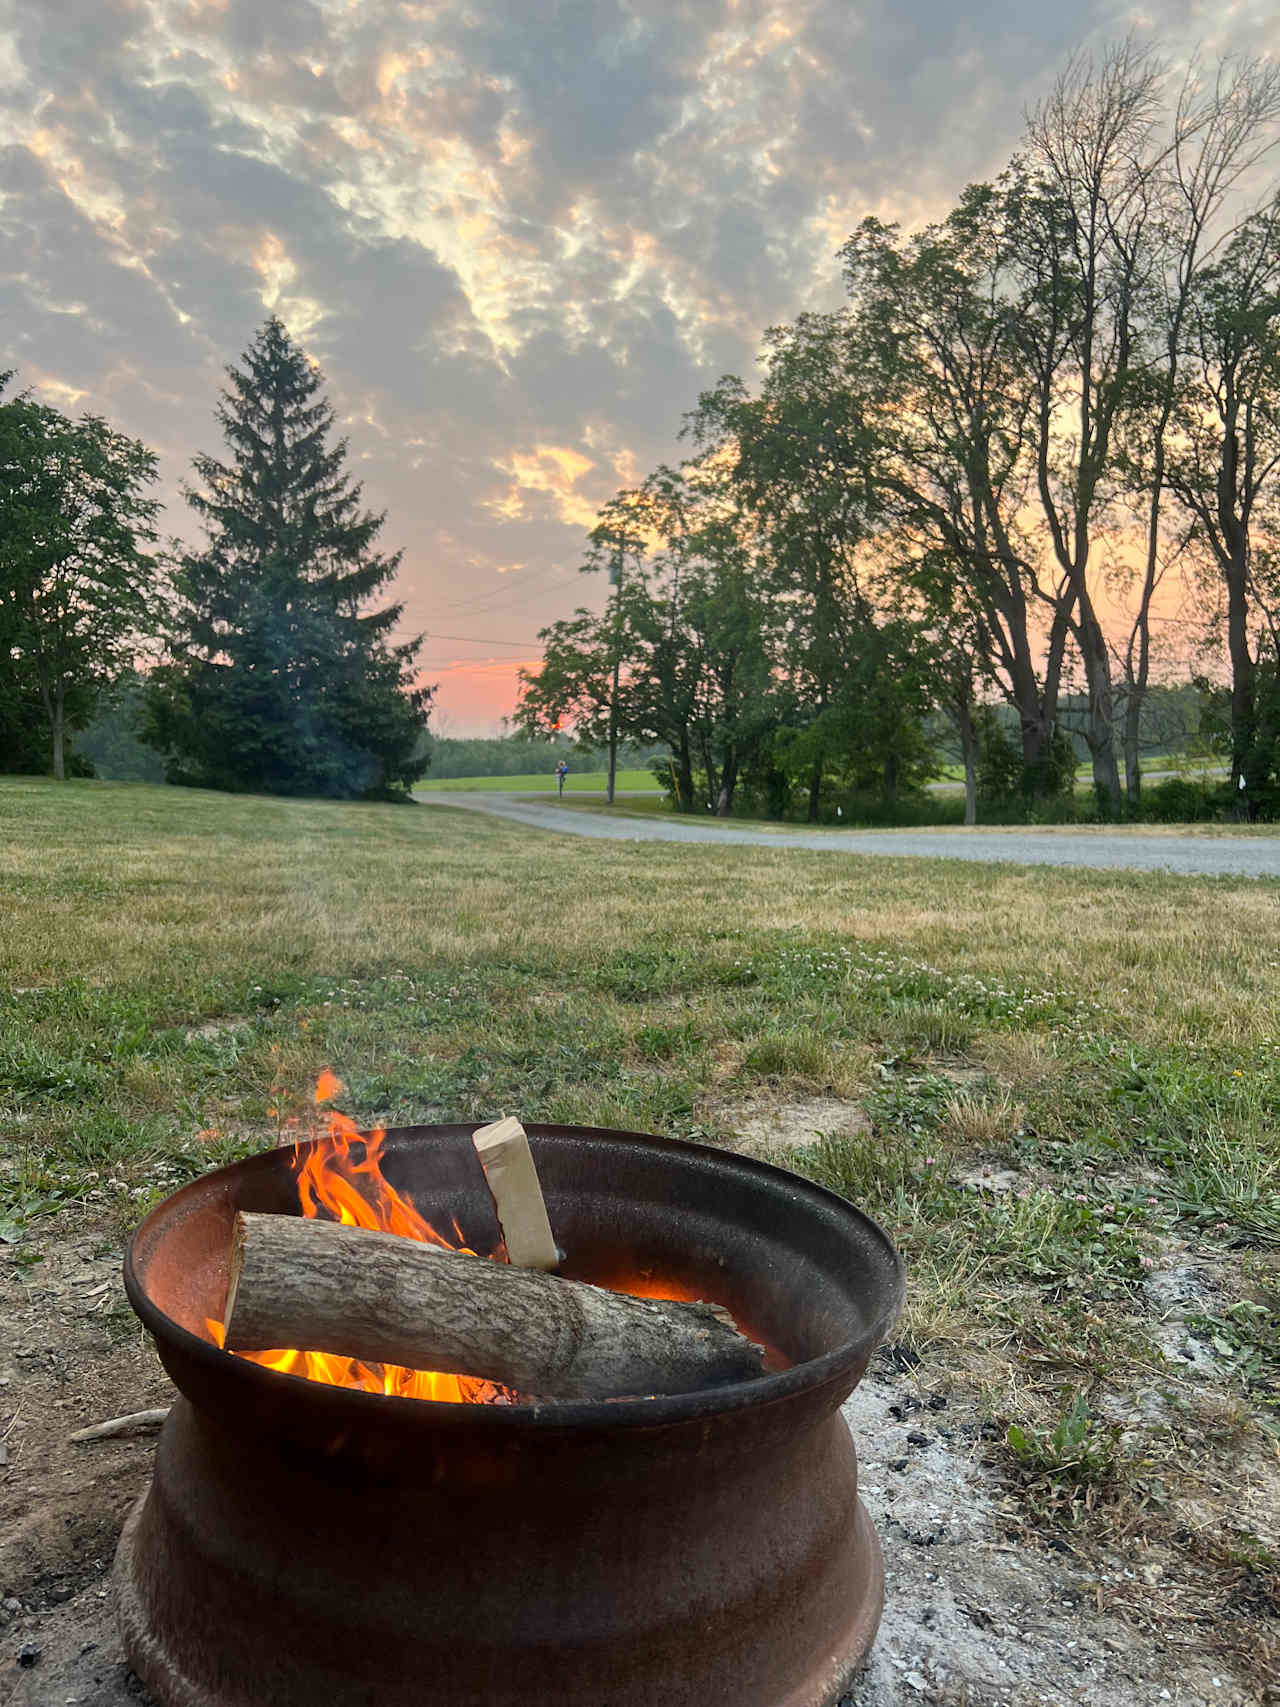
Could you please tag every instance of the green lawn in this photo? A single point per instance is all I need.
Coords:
(580, 782)
(176, 967)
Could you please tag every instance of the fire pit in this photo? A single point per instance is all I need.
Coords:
(309, 1544)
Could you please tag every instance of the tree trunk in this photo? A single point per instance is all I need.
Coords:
(1036, 736)
(59, 732)
(969, 753)
(685, 802)
(728, 783)
(1137, 670)
(1037, 707)
(1100, 733)
(711, 776)
(1132, 727)
(890, 778)
(1244, 710)
(815, 789)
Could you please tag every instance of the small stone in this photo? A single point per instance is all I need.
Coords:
(28, 1654)
(916, 1438)
(914, 1681)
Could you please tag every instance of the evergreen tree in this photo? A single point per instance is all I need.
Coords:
(281, 681)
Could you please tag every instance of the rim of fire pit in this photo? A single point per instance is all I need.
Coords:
(637, 1412)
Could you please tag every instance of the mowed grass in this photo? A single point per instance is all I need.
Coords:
(535, 782)
(176, 967)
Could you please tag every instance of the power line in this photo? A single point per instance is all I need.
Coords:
(532, 589)
(477, 640)
(424, 634)
(455, 663)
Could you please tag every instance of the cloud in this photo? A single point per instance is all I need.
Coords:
(519, 236)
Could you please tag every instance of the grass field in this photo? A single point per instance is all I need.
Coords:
(1058, 1091)
(583, 782)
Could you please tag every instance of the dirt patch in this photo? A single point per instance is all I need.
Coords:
(1181, 1287)
(991, 1174)
(759, 1127)
(73, 1354)
(217, 1031)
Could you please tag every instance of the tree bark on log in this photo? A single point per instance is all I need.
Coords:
(318, 1286)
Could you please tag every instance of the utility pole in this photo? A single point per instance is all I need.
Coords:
(615, 576)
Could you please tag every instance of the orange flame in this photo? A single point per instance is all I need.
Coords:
(328, 1086)
(341, 1180)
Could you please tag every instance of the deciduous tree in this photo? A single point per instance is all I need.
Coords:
(1224, 464)
(77, 581)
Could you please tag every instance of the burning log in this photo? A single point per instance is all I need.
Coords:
(388, 1299)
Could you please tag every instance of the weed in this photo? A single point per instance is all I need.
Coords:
(1246, 1338)
(1077, 1451)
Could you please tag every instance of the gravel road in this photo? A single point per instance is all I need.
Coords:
(1188, 855)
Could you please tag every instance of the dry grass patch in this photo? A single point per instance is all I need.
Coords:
(982, 1121)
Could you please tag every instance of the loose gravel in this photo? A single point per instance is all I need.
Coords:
(1188, 856)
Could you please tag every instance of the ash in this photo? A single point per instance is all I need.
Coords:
(972, 1619)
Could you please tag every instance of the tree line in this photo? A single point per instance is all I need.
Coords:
(1031, 460)
(280, 672)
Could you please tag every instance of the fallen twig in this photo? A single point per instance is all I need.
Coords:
(137, 1422)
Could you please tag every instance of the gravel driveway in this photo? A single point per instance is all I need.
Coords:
(1189, 855)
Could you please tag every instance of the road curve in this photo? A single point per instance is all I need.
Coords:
(1188, 855)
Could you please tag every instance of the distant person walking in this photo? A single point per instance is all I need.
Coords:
(562, 771)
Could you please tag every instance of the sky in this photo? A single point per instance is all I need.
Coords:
(519, 236)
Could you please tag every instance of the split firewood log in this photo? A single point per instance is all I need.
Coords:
(512, 1177)
(318, 1286)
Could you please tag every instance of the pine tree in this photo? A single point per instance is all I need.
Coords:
(281, 681)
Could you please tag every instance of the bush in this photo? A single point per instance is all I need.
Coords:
(1186, 800)
(1002, 776)
(999, 762)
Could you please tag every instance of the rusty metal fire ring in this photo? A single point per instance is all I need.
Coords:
(303, 1544)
